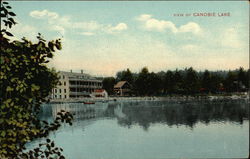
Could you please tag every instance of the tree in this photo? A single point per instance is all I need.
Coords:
(125, 76)
(169, 82)
(248, 78)
(215, 82)
(191, 81)
(108, 84)
(230, 83)
(154, 84)
(141, 82)
(206, 81)
(25, 82)
(178, 82)
(242, 77)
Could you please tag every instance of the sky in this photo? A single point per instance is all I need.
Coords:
(102, 38)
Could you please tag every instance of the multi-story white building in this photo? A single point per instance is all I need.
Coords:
(75, 85)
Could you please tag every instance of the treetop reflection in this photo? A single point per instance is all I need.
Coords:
(145, 113)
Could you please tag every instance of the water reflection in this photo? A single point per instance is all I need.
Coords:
(145, 113)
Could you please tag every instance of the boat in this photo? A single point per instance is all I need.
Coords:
(88, 102)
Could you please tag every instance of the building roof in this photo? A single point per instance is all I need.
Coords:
(74, 74)
(120, 84)
(78, 76)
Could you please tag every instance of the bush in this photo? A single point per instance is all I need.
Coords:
(26, 82)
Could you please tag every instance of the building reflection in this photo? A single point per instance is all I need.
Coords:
(152, 112)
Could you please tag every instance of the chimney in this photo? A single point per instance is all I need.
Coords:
(70, 71)
(81, 71)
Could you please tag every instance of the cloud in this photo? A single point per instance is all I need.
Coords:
(134, 51)
(115, 29)
(144, 17)
(153, 24)
(190, 27)
(58, 28)
(92, 25)
(23, 30)
(54, 20)
(190, 47)
(230, 38)
(120, 27)
(87, 33)
(43, 14)
(62, 23)
(117, 53)
(62, 20)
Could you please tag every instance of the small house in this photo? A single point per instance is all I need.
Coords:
(100, 93)
(122, 88)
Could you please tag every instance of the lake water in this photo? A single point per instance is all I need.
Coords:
(153, 129)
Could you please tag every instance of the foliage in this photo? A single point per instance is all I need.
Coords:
(108, 84)
(169, 82)
(242, 76)
(187, 81)
(25, 82)
(230, 81)
(125, 76)
(206, 81)
(191, 84)
(178, 82)
(141, 82)
(154, 84)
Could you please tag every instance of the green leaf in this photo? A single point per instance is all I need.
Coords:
(51, 45)
(12, 20)
(13, 79)
(34, 87)
(12, 14)
(19, 115)
(3, 15)
(3, 133)
(9, 89)
(50, 55)
(8, 33)
(8, 100)
(30, 100)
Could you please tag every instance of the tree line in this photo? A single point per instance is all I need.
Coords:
(185, 82)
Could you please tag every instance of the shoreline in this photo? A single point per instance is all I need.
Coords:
(177, 98)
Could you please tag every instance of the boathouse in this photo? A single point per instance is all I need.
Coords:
(122, 88)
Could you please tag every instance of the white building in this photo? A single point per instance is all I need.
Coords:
(100, 93)
(75, 85)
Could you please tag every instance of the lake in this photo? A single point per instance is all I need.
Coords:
(153, 129)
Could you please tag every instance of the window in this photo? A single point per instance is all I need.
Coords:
(73, 89)
(55, 96)
(64, 90)
(60, 96)
(64, 83)
(60, 91)
(65, 96)
(72, 82)
(63, 77)
(55, 90)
